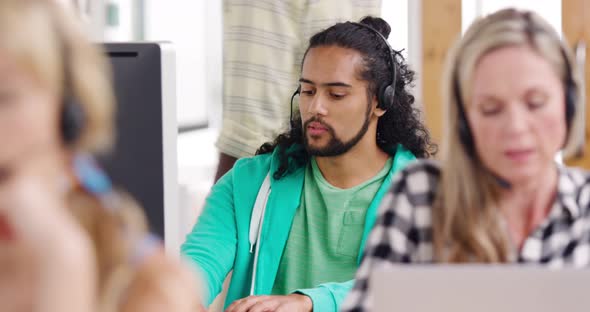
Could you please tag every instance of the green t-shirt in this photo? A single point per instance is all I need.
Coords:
(326, 234)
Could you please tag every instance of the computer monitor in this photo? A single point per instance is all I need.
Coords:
(143, 161)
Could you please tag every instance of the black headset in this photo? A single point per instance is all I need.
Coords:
(72, 120)
(73, 117)
(386, 92)
(570, 88)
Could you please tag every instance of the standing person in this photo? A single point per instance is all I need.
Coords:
(290, 222)
(68, 241)
(263, 44)
(497, 195)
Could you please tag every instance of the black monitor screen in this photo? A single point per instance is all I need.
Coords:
(136, 163)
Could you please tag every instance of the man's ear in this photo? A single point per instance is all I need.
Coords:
(377, 111)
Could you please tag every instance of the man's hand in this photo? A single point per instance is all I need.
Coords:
(289, 303)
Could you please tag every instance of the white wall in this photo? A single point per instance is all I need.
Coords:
(404, 18)
(123, 29)
(195, 29)
(395, 12)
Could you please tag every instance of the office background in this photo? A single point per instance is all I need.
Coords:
(195, 29)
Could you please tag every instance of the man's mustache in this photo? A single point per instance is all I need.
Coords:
(318, 120)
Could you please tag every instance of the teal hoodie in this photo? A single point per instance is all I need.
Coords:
(219, 241)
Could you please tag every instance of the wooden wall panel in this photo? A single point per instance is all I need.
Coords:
(575, 22)
(441, 26)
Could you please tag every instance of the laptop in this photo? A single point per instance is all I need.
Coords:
(462, 288)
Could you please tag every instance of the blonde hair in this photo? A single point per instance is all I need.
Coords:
(48, 41)
(466, 221)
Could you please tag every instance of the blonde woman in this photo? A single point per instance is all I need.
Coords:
(496, 196)
(68, 242)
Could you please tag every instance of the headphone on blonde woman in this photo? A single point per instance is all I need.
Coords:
(73, 116)
(570, 90)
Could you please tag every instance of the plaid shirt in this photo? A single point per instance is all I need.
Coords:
(403, 230)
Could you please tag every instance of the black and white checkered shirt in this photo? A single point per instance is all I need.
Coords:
(403, 230)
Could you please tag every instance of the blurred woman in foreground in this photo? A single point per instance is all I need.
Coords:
(68, 241)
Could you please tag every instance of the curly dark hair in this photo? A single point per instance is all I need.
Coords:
(401, 123)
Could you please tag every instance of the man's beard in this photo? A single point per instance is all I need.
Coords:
(335, 146)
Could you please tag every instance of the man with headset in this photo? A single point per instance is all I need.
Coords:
(263, 42)
(291, 221)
